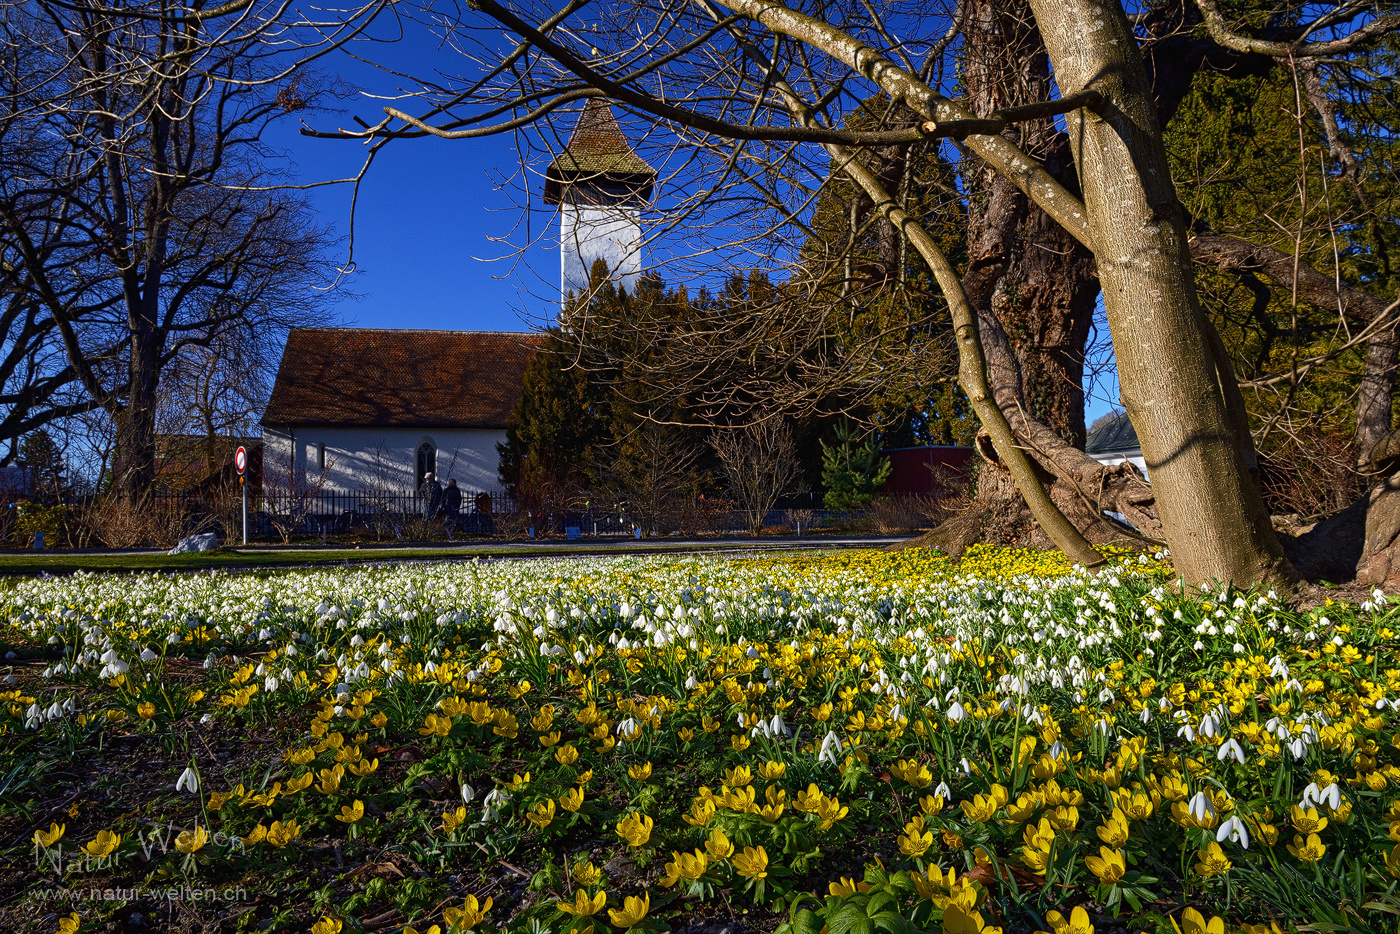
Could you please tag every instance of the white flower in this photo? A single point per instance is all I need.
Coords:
(188, 781)
(468, 793)
(1233, 829)
(1201, 806)
(831, 748)
(1231, 749)
(957, 712)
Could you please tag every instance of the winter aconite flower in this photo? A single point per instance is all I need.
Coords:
(47, 838)
(634, 828)
(351, 813)
(1193, 922)
(103, 844)
(1212, 861)
(632, 912)
(583, 905)
(752, 863)
(1310, 850)
(191, 841)
(468, 916)
(1108, 865)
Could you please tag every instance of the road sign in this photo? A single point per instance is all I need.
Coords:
(240, 463)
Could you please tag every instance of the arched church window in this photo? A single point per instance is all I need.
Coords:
(427, 460)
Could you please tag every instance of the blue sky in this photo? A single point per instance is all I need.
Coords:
(430, 219)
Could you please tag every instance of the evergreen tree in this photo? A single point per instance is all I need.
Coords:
(852, 470)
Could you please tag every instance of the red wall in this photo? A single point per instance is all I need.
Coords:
(910, 471)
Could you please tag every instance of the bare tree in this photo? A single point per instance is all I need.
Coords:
(137, 209)
(760, 463)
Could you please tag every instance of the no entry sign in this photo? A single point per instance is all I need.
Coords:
(240, 460)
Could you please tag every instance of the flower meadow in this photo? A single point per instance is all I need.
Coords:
(839, 742)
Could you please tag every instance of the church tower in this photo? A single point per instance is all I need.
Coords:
(600, 186)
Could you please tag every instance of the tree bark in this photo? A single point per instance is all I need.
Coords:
(1170, 385)
(1026, 275)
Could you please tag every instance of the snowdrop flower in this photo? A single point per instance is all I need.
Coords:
(468, 793)
(1201, 806)
(1330, 796)
(944, 791)
(1231, 750)
(188, 781)
(1233, 829)
(957, 713)
(831, 748)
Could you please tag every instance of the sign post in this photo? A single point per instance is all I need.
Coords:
(240, 463)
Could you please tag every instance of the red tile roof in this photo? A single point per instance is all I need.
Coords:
(365, 377)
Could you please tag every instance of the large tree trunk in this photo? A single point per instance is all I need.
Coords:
(1034, 288)
(1166, 368)
(136, 420)
(1026, 275)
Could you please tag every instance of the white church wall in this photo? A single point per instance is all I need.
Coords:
(360, 459)
(587, 233)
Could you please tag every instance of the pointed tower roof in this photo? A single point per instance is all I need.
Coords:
(598, 152)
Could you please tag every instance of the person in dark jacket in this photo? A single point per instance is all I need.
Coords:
(451, 502)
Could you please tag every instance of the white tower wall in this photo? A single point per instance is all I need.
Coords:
(590, 232)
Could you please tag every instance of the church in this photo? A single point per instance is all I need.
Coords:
(370, 409)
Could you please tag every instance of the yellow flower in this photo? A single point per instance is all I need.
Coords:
(1192, 922)
(542, 814)
(583, 906)
(1213, 861)
(518, 782)
(846, 886)
(566, 754)
(189, 841)
(1310, 850)
(103, 844)
(572, 799)
(931, 804)
(718, 845)
(1307, 821)
(1114, 831)
(738, 777)
(956, 920)
(586, 874)
(293, 786)
(433, 725)
(980, 809)
(1108, 865)
(772, 771)
(917, 774)
(685, 735)
(1392, 861)
(327, 925)
(469, 915)
(915, 843)
(701, 810)
(829, 811)
(349, 814)
(551, 739)
(70, 924)
(47, 838)
(146, 710)
(1064, 819)
(639, 773)
(280, 834)
(738, 742)
(752, 863)
(1077, 923)
(635, 829)
(451, 820)
(633, 911)
(687, 866)
(257, 835)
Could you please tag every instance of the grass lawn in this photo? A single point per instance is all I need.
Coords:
(842, 741)
(63, 562)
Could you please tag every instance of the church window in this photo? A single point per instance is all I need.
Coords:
(426, 460)
(321, 456)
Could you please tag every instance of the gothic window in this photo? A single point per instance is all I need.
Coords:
(427, 460)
